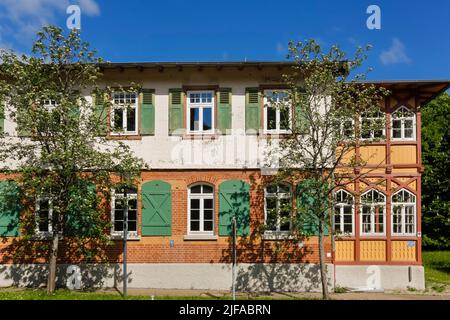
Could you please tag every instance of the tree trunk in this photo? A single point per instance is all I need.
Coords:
(323, 271)
(51, 282)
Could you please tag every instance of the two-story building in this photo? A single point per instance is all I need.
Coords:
(201, 128)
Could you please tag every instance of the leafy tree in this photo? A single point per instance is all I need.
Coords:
(319, 153)
(436, 182)
(61, 153)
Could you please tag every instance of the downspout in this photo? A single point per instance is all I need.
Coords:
(333, 243)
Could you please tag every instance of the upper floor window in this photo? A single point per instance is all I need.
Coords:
(201, 209)
(343, 212)
(403, 213)
(124, 117)
(373, 125)
(278, 208)
(373, 213)
(200, 111)
(277, 112)
(49, 104)
(403, 124)
(118, 218)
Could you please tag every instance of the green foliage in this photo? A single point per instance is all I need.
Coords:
(436, 182)
(65, 157)
(437, 267)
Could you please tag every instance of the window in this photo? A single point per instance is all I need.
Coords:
(343, 212)
(373, 125)
(278, 208)
(373, 213)
(201, 209)
(403, 124)
(118, 214)
(124, 113)
(403, 213)
(200, 111)
(44, 216)
(49, 104)
(277, 117)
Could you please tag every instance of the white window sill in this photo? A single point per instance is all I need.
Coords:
(273, 235)
(45, 236)
(205, 237)
(132, 237)
(277, 132)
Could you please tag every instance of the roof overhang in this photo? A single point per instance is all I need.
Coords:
(424, 90)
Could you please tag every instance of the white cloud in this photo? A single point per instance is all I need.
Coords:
(21, 19)
(395, 54)
(281, 49)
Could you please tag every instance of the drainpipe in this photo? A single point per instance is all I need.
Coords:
(125, 236)
(333, 243)
(233, 224)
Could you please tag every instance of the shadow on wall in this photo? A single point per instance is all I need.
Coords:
(267, 265)
(24, 262)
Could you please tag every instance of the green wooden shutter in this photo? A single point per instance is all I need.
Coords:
(101, 113)
(22, 131)
(234, 200)
(308, 221)
(176, 111)
(2, 117)
(9, 209)
(224, 110)
(252, 110)
(301, 122)
(156, 208)
(147, 98)
(75, 112)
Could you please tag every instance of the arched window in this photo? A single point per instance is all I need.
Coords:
(403, 124)
(201, 209)
(343, 212)
(403, 213)
(373, 213)
(120, 196)
(278, 208)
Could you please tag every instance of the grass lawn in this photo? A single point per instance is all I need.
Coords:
(41, 294)
(437, 267)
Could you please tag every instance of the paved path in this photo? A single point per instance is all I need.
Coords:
(337, 296)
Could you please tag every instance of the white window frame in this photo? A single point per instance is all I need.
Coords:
(49, 104)
(50, 217)
(403, 214)
(341, 206)
(372, 206)
(372, 132)
(342, 129)
(124, 108)
(201, 196)
(130, 196)
(278, 195)
(277, 129)
(200, 105)
(402, 127)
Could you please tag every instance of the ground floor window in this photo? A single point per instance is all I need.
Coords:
(44, 215)
(201, 209)
(121, 197)
(344, 212)
(278, 208)
(403, 213)
(373, 213)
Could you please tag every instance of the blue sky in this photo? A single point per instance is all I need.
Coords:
(413, 43)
